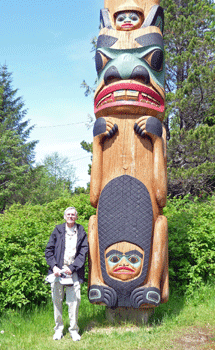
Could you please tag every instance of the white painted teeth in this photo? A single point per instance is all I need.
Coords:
(119, 93)
(103, 98)
(132, 93)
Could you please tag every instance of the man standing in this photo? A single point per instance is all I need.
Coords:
(66, 250)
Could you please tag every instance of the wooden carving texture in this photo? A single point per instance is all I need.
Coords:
(128, 239)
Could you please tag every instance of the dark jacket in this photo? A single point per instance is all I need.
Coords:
(54, 252)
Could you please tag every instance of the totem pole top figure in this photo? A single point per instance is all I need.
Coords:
(140, 7)
(130, 58)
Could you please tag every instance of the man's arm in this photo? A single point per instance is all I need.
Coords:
(82, 253)
(50, 250)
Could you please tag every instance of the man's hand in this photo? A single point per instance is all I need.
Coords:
(66, 270)
(56, 271)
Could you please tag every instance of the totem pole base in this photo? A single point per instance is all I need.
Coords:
(140, 316)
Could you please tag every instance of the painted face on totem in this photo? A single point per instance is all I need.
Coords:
(128, 20)
(130, 80)
(124, 261)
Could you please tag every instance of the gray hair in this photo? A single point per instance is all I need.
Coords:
(69, 208)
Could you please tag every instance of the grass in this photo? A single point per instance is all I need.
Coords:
(174, 325)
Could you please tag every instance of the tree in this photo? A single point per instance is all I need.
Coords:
(16, 154)
(190, 99)
(52, 179)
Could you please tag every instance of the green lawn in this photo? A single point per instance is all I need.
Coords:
(179, 324)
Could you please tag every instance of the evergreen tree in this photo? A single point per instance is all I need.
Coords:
(190, 99)
(16, 154)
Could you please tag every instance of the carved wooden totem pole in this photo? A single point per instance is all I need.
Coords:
(128, 238)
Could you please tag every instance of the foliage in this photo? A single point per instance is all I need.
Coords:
(190, 94)
(88, 146)
(53, 178)
(191, 242)
(16, 154)
(25, 231)
(192, 169)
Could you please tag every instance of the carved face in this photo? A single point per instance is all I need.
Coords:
(124, 261)
(128, 20)
(130, 73)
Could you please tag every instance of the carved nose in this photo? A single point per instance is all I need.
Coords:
(111, 74)
(140, 72)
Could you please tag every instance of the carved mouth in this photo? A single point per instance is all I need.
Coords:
(124, 269)
(128, 94)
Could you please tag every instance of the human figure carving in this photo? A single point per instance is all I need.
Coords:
(128, 235)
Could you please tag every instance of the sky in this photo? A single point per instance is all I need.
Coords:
(46, 46)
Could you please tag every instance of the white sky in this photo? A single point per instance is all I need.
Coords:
(46, 46)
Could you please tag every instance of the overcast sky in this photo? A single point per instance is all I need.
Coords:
(46, 46)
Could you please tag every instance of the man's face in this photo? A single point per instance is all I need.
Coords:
(70, 217)
(124, 261)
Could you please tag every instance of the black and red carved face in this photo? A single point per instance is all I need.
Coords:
(130, 67)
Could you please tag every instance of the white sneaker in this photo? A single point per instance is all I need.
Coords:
(75, 336)
(58, 335)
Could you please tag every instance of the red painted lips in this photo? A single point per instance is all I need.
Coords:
(123, 269)
(130, 94)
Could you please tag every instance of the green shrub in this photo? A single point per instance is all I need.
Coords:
(25, 231)
(191, 242)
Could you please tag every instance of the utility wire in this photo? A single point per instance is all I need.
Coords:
(55, 126)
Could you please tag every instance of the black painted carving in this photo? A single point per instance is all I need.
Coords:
(153, 125)
(99, 126)
(150, 295)
(154, 17)
(122, 195)
(157, 60)
(140, 72)
(105, 41)
(110, 74)
(105, 19)
(151, 39)
(99, 62)
(102, 294)
(113, 131)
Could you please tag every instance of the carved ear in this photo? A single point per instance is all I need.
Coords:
(155, 18)
(105, 19)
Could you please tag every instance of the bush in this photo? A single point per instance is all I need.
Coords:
(191, 242)
(25, 232)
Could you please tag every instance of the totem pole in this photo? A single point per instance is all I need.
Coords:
(128, 238)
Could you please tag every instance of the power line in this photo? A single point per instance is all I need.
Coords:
(73, 160)
(55, 126)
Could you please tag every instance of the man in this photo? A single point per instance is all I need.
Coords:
(66, 250)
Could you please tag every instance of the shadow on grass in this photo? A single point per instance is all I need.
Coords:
(169, 310)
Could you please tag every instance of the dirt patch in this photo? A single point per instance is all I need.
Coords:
(196, 338)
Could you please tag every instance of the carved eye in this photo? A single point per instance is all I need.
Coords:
(101, 61)
(121, 17)
(133, 259)
(134, 16)
(155, 59)
(114, 259)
